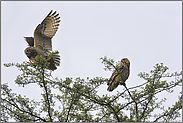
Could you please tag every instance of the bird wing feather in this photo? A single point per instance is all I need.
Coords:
(45, 31)
(119, 76)
(30, 41)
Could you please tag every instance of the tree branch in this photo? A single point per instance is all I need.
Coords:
(47, 98)
(170, 112)
(16, 106)
(69, 111)
(136, 107)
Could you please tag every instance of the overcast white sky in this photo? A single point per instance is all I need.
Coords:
(145, 32)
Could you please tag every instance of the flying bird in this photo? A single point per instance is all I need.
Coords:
(120, 75)
(41, 43)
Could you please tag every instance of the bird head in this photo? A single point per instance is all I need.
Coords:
(126, 61)
(30, 52)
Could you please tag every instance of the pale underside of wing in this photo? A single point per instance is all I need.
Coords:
(45, 31)
(50, 24)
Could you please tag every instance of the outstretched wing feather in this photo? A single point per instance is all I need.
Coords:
(30, 41)
(45, 31)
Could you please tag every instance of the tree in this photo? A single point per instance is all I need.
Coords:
(79, 101)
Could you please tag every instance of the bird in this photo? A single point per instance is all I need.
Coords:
(41, 43)
(120, 75)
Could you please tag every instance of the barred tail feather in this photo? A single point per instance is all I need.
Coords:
(56, 59)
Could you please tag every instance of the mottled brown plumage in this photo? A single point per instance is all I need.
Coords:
(120, 75)
(41, 43)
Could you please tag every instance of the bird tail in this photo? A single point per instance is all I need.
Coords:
(112, 85)
(56, 59)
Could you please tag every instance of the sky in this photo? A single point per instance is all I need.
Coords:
(144, 32)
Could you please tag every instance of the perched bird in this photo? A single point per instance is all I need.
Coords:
(120, 75)
(41, 43)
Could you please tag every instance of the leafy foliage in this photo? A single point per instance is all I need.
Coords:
(78, 99)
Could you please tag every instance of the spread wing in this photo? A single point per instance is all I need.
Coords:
(45, 31)
(30, 41)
